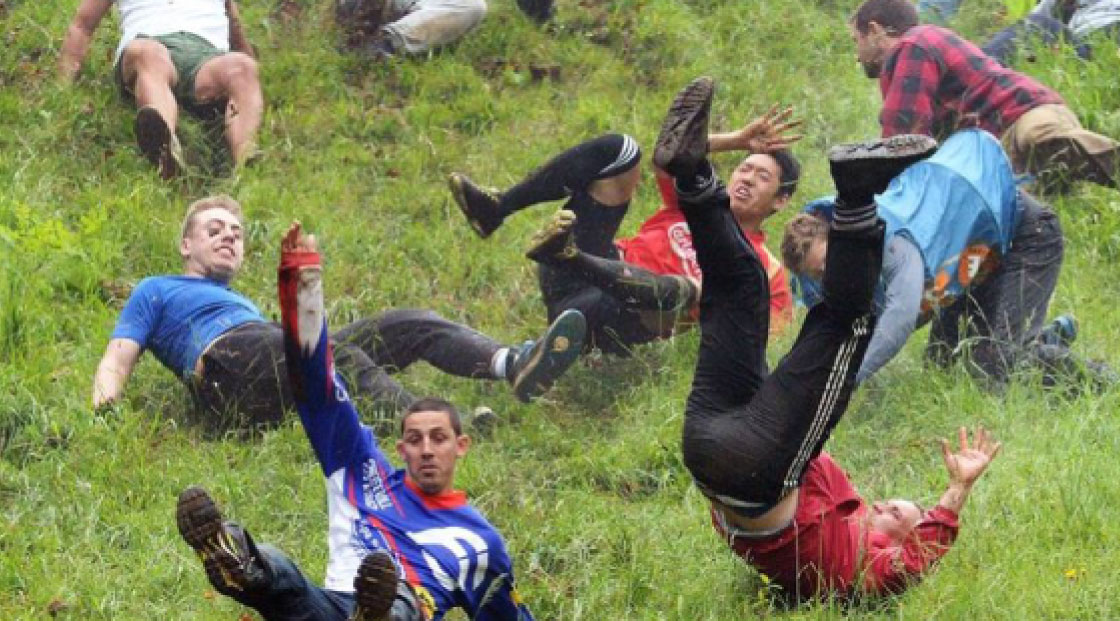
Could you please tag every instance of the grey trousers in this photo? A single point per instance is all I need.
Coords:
(1002, 316)
(420, 25)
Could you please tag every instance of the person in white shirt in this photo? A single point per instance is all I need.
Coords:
(172, 52)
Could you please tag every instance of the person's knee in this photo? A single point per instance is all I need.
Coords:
(146, 56)
(239, 71)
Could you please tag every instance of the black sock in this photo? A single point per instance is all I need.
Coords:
(574, 170)
(636, 287)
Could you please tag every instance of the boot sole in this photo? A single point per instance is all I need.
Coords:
(900, 147)
(559, 226)
(200, 525)
(375, 588)
(154, 138)
(690, 105)
(560, 347)
(456, 183)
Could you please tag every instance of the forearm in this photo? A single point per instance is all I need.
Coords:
(955, 496)
(74, 49)
(238, 42)
(109, 383)
(720, 143)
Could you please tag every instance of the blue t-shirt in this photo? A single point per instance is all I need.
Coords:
(176, 317)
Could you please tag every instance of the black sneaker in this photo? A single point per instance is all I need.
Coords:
(375, 588)
(537, 364)
(860, 170)
(158, 143)
(554, 242)
(539, 11)
(683, 141)
(228, 553)
(479, 205)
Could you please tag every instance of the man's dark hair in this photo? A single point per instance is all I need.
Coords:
(895, 16)
(790, 171)
(434, 404)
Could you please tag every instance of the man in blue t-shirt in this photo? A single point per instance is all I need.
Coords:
(231, 357)
(404, 544)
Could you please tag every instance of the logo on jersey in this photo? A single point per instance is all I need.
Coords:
(465, 546)
(373, 487)
(680, 240)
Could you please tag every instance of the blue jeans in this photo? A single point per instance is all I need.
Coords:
(937, 12)
(290, 596)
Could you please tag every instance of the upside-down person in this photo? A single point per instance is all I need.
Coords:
(753, 442)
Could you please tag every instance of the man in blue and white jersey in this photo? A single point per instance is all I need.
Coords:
(404, 544)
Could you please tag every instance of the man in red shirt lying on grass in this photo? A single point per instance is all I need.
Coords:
(753, 442)
(642, 288)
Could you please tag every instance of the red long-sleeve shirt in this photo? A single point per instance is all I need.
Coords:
(827, 547)
(663, 245)
(935, 82)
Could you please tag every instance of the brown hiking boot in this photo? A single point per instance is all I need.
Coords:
(228, 554)
(375, 588)
(554, 242)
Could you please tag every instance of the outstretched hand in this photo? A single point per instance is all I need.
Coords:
(769, 132)
(967, 464)
(296, 241)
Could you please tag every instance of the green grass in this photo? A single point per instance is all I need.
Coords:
(587, 485)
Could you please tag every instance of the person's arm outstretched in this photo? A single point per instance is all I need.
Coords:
(75, 45)
(891, 568)
(325, 409)
(769, 132)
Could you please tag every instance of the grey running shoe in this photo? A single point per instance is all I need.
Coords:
(479, 205)
(375, 588)
(1061, 331)
(683, 141)
(228, 553)
(537, 364)
(860, 170)
(554, 242)
(158, 143)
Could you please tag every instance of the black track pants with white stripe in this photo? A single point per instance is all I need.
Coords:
(749, 436)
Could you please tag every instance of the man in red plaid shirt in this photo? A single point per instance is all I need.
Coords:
(934, 82)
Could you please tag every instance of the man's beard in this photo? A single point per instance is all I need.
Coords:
(872, 69)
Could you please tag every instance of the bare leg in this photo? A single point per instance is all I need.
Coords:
(149, 75)
(234, 77)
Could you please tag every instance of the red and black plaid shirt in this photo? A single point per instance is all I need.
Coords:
(935, 82)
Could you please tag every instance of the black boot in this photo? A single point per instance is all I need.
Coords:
(683, 141)
(860, 170)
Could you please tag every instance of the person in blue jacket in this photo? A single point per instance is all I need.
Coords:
(404, 544)
(965, 249)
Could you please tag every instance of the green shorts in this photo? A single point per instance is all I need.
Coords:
(188, 53)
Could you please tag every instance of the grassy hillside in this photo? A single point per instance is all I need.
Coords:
(587, 485)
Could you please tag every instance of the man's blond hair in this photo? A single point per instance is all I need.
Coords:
(801, 232)
(219, 201)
